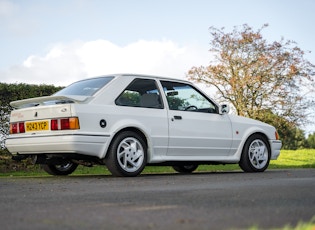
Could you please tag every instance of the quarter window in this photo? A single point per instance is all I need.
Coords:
(141, 93)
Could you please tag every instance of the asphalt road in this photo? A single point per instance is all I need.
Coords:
(227, 200)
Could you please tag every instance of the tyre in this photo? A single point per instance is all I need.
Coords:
(255, 155)
(64, 169)
(127, 155)
(185, 168)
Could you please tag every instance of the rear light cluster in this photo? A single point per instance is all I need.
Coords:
(65, 123)
(17, 127)
(68, 123)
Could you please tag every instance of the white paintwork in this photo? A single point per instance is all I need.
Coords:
(41, 100)
(210, 133)
(196, 137)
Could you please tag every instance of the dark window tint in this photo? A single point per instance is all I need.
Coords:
(141, 93)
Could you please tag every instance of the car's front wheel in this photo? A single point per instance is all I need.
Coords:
(185, 168)
(63, 169)
(127, 155)
(256, 154)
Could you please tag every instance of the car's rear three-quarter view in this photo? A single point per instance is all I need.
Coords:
(128, 121)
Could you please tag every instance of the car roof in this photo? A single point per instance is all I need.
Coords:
(140, 76)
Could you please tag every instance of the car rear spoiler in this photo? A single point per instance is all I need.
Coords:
(41, 100)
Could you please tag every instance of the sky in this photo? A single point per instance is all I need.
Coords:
(62, 41)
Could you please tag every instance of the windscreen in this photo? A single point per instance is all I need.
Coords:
(86, 87)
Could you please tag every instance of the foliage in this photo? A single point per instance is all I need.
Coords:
(13, 92)
(132, 97)
(175, 102)
(310, 142)
(256, 76)
(291, 136)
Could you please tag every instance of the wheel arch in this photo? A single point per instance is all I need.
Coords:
(136, 130)
(261, 134)
(247, 136)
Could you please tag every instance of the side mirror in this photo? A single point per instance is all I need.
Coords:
(224, 109)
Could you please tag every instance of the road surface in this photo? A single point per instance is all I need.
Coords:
(221, 200)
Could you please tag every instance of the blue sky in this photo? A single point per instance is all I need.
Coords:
(61, 41)
(34, 27)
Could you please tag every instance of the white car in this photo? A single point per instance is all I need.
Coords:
(128, 121)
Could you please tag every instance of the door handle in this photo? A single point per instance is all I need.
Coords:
(177, 117)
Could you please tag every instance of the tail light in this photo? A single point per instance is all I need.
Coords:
(21, 127)
(68, 123)
(65, 123)
(277, 135)
(17, 127)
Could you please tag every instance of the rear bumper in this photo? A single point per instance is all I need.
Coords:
(275, 146)
(86, 144)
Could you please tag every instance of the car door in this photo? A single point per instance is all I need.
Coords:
(196, 128)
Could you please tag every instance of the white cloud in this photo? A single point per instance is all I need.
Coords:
(147, 57)
(65, 63)
(7, 9)
(60, 66)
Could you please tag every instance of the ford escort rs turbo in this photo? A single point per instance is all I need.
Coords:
(128, 121)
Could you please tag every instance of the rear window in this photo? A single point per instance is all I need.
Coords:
(86, 87)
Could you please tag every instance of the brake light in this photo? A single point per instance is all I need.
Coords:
(54, 124)
(65, 123)
(21, 127)
(17, 127)
(277, 135)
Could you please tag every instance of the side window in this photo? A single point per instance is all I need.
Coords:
(141, 93)
(184, 97)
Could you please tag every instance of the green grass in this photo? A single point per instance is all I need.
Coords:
(304, 158)
(300, 226)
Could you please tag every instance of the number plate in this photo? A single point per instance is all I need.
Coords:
(36, 126)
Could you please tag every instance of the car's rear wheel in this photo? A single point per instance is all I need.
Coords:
(63, 169)
(185, 168)
(256, 154)
(127, 155)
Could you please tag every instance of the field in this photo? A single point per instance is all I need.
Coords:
(304, 158)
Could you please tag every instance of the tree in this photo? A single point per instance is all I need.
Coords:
(311, 141)
(256, 76)
(13, 92)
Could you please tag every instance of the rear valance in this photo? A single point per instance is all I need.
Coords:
(42, 100)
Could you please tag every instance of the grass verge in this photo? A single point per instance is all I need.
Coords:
(300, 226)
(303, 158)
